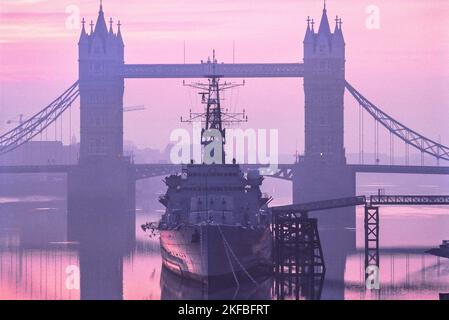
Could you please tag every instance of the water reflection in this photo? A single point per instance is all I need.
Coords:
(337, 245)
(37, 262)
(294, 287)
(174, 287)
(103, 242)
(101, 267)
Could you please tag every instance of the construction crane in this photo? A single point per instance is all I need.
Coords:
(21, 117)
(20, 121)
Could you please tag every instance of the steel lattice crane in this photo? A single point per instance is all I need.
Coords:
(20, 121)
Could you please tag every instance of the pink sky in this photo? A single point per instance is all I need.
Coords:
(403, 67)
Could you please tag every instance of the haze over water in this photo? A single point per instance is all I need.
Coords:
(37, 263)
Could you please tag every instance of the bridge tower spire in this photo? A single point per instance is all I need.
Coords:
(324, 24)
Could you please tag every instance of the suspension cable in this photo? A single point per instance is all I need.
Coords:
(406, 134)
(27, 130)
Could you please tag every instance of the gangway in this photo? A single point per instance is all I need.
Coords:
(293, 228)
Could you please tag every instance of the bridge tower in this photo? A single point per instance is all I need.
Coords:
(322, 172)
(324, 85)
(104, 178)
(101, 53)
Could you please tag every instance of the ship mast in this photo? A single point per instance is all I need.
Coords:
(214, 117)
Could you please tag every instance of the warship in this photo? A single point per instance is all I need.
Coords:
(216, 225)
(441, 251)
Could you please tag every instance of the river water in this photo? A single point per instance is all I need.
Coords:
(36, 261)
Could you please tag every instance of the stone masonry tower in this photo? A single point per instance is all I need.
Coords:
(101, 189)
(324, 77)
(101, 53)
(322, 173)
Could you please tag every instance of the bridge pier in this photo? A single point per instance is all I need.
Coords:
(316, 182)
(101, 195)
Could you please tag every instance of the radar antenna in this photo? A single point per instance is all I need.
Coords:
(214, 117)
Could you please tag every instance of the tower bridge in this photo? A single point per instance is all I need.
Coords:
(323, 172)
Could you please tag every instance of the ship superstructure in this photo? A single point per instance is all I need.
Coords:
(216, 223)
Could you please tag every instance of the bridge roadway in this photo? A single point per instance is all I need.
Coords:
(285, 172)
(378, 168)
(51, 168)
(208, 69)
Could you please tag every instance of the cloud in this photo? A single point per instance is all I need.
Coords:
(22, 2)
(14, 17)
(28, 26)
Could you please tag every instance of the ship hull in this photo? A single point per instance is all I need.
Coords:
(212, 253)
